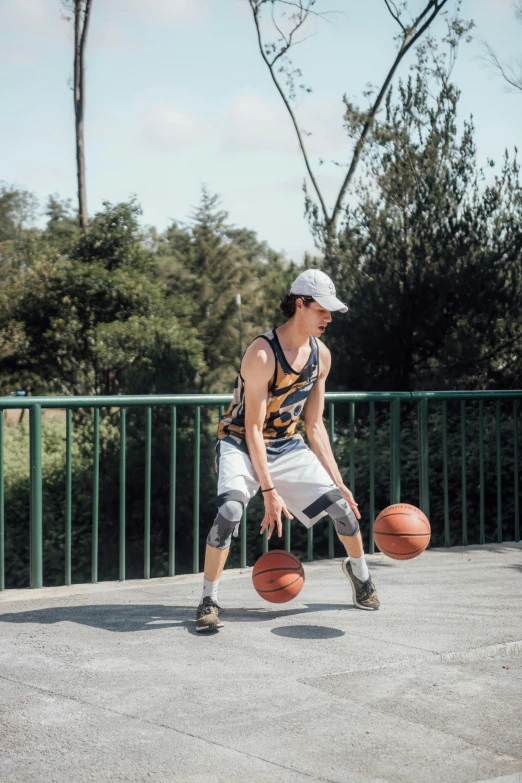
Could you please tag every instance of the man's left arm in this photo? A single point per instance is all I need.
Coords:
(316, 433)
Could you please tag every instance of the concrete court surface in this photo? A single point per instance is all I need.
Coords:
(111, 683)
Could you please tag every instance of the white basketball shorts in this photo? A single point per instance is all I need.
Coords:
(297, 475)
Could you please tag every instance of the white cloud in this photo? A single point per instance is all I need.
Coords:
(254, 124)
(169, 129)
(27, 27)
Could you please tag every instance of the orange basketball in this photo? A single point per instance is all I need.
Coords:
(278, 576)
(402, 531)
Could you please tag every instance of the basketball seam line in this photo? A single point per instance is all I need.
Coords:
(278, 589)
(409, 554)
(279, 568)
(410, 535)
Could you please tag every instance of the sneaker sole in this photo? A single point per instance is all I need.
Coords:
(354, 597)
(206, 628)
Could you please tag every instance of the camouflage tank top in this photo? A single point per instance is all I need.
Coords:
(287, 395)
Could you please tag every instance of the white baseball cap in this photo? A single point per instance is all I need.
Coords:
(314, 283)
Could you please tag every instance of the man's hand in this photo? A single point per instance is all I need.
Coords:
(351, 501)
(274, 504)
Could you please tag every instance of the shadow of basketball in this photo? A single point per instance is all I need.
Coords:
(308, 632)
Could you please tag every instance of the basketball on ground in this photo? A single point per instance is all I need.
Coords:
(278, 576)
(402, 531)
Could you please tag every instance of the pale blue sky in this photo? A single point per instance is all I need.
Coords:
(177, 96)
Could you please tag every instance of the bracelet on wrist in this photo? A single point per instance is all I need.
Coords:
(268, 490)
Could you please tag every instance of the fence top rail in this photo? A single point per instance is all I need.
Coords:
(169, 400)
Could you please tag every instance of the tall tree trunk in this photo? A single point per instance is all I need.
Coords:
(81, 26)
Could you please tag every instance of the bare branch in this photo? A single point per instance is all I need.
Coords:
(323, 14)
(82, 12)
(86, 20)
(512, 78)
(411, 36)
(289, 41)
(411, 33)
(255, 10)
(281, 33)
(394, 13)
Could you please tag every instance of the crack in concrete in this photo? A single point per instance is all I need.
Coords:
(501, 650)
(49, 692)
(418, 721)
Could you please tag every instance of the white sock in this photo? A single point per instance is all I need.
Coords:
(210, 589)
(359, 568)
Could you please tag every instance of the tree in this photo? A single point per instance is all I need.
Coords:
(359, 122)
(17, 209)
(511, 73)
(62, 223)
(206, 265)
(81, 12)
(430, 261)
(96, 322)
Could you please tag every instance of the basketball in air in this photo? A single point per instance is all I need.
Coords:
(278, 576)
(402, 531)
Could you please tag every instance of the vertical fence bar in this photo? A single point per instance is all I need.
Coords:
(95, 496)
(148, 474)
(445, 472)
(288, 543)
(243, 540)
(515, 470)
(424, 468)
(68, 495)
(331, 428)
(35, 448)
(197, 456)
(310, 544)
(463, 474)
(482, 526)
(2, 504)
(395, 451)
(352, 447)
(499, 473)
(371, 542)
(123, 471)
(172, 499)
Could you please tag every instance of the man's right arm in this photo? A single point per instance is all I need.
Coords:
(257, 369)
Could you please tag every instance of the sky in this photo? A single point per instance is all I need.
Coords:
(178, 97)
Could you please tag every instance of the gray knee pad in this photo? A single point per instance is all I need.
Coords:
(344, 519)
(230, 511)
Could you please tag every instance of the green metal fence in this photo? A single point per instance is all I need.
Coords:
(341, 407)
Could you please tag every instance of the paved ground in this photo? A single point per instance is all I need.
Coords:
(111, 683)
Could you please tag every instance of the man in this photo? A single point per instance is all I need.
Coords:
(282, 375)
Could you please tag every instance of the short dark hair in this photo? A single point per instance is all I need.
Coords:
(288, 304)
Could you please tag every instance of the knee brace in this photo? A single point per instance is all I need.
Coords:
(230, 511)
(344, 519)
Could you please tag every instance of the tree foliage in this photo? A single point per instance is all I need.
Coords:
(97, 321)
(206, 265)
(430, 258)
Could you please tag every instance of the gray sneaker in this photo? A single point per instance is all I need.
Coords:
(207, 616)
(364, 593)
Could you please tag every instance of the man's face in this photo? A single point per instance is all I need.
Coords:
(314, 318)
